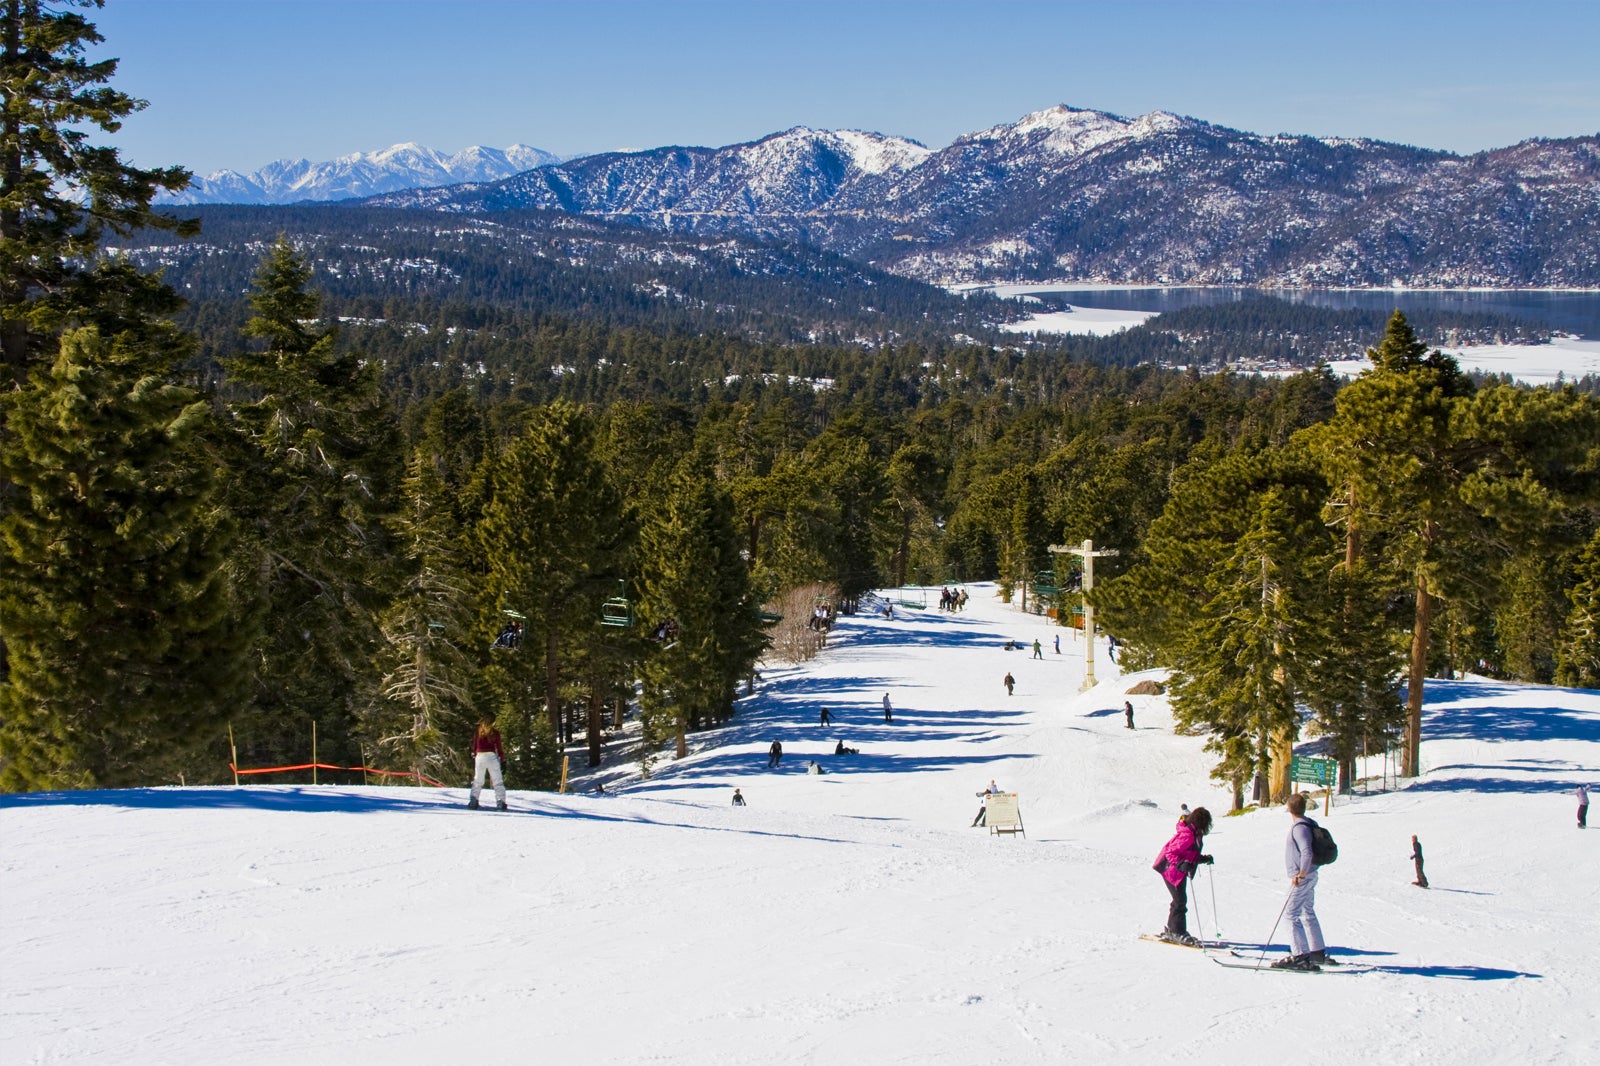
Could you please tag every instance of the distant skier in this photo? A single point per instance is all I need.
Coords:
(826, 717)
(888, 710)
(1038, 649)
(1416, 859)
(983, 805)
(1127, 712)
(774, 755)
(1176, 864)
(1305, 932)
(1058, 643)
(1583, 806)
(487, 755)
(738, 800)
(1010, 682)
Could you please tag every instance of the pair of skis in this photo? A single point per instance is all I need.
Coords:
(1234, 959)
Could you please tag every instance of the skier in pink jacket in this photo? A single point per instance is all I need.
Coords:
(1176, 864)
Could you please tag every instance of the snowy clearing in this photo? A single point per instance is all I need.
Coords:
(1091, 321)
(1563, 359)
(854, 917)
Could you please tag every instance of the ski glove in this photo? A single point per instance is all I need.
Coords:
(1206, 860)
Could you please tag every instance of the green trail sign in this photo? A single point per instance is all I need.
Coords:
(1317, 771)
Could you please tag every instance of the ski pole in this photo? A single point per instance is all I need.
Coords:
(1275, 925)
(1200, 927)
(1211, 878)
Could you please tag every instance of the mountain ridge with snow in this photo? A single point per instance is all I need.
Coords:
(360, 174)
(1075, 194)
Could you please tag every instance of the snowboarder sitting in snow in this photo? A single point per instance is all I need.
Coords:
(1177, 862)
(738, 800)
(840, 749)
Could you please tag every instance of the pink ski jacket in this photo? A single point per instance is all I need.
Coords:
(1181, 853)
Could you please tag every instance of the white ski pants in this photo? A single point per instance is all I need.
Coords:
(1305, 932)
(487, 764)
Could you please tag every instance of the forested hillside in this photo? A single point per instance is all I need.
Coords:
(380, 491)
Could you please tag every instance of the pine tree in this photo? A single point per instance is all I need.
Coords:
(1578, 659)
(60, 194)
(124, 650)
(1241, 671)
(311, 484)
(423, 708)
(1392, 446)
(552, 538)
(692, 573)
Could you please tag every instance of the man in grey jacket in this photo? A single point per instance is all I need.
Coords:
(1305, 933)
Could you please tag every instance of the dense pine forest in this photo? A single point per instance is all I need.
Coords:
(562, 475)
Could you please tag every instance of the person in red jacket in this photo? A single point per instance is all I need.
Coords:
(1176, 864)
(487, 754)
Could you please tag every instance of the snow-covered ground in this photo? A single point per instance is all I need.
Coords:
(1094, 321)
(853, 917)
(1563, 359)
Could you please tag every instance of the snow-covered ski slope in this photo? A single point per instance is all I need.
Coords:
(854, 917)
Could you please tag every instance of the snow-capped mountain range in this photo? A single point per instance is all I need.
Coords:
(1068, 193)
(361, 174)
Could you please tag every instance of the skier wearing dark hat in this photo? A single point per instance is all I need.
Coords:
(1177, 863)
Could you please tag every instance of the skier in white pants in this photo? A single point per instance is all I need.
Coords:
(487, 754)
(1305, 932)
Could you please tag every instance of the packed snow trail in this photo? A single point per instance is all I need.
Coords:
(853, 917)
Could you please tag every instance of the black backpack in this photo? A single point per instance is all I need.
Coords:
(1323, 849)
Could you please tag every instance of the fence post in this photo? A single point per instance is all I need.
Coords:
(233, 749)
(313, 751)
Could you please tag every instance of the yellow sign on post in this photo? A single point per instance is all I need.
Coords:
(1004, 815)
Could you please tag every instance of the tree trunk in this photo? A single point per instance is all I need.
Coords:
(903, 555)
(1282, 752)
(552, 699)
(592, 727)
(1411, 758)
(682, 748)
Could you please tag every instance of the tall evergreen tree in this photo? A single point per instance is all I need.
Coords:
(1578, 658)
(1392, 449)
(423, 708)
(552, 540)
(312, 483)
(693, 574)
(59, 193)
(124, 652)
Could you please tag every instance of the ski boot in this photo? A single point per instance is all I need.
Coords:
(1183, 939)
(1296, 962)
(472, 804)
(1320, 957)
(501, 806)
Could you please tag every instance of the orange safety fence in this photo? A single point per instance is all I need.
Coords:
(325, 766)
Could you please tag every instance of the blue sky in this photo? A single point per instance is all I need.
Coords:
(238, 83)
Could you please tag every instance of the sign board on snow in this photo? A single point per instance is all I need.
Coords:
(1317, 771)
(1004, 815)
